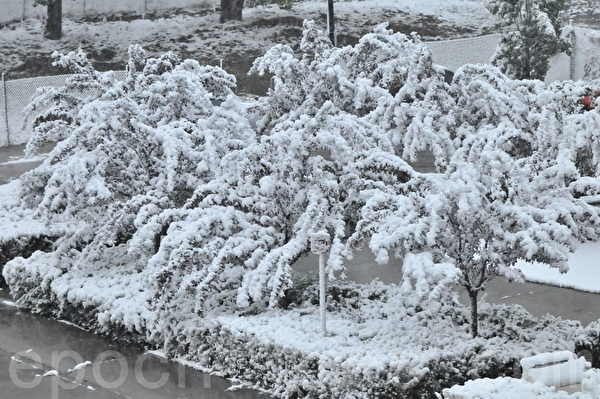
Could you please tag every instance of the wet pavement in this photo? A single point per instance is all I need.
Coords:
(538, 299)
(31, 346)
(13, 162)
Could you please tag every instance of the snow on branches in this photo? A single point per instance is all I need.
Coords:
(208, 212)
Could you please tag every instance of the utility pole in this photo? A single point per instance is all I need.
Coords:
(331, 22)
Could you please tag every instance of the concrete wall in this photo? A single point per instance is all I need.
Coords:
(16, 10)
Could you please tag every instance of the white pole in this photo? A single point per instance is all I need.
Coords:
(322, 293)
(320, 243)
(572, 58)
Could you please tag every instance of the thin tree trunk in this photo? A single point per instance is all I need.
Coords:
(54, 22)
(331, 22)
(474, 313)
(231, 10)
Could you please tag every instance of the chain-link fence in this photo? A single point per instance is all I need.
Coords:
(15, 95)
(586, 54)
(455, 53)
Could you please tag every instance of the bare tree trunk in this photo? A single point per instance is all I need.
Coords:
(474, 313)
(54, 21)
(331, 22)
(231, 10)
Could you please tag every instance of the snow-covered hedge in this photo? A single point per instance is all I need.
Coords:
(383, 342)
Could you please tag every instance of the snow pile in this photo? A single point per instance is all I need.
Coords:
(507, 388)
(591, 383)
(555, 369)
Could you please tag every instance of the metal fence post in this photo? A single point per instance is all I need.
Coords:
(573, 52)
(5, 109)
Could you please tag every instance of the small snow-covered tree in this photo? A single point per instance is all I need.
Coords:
(139, 147)
(482, 217)
(525, 53)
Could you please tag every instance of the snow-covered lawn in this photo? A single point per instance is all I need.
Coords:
(374, 327)
(583, 274)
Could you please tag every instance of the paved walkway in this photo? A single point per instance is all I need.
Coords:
(539, 299)
(13, 162)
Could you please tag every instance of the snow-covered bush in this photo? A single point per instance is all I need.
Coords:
(143, 145)
(381, 347)
(509, 187)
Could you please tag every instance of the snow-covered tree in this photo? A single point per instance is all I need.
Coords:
(531, 117)
(482, 217)
(535, 36)
(140, 146)
(321, 147)
(509, 190)
(249, 225)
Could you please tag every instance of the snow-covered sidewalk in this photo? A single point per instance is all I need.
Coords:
(583, 274)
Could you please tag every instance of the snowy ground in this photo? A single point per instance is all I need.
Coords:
(583, 274)
(586, 13)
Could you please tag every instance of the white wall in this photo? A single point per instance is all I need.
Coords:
(15, 10)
